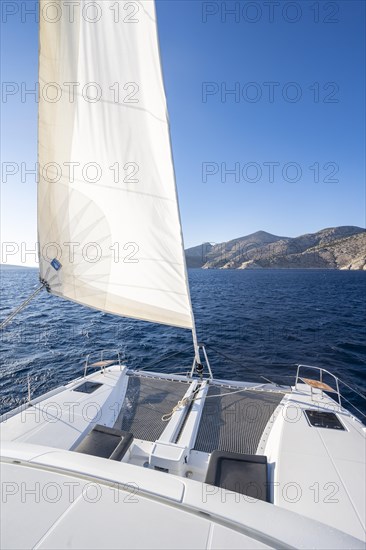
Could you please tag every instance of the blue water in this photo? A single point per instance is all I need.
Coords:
(262, 321)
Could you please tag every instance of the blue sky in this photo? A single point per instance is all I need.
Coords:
(309, 134)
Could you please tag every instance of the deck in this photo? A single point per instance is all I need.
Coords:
(315, 473)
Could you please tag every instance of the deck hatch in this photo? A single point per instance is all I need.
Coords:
(321, 419)
(88, 387)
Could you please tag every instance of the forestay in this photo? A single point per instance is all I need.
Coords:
(107, 203)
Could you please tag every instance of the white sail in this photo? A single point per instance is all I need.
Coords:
(107, 203)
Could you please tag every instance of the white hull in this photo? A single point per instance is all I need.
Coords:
(155, 496)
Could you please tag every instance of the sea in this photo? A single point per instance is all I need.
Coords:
(256, 326)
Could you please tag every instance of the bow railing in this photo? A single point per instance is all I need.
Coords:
(101, 361)
(321, 385)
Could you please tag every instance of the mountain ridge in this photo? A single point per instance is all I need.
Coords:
(341, 247)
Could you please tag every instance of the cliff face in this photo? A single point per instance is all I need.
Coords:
(333, 248)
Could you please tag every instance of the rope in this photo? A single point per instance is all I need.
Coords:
(353, 389)
(235, 361)
(236, 391)
(183, 402)
(352, 405)
(271, 382)
(22, 306)
(288, 376)
(164, 358)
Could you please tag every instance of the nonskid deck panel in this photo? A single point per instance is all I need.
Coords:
(235, 422)
(147, 400)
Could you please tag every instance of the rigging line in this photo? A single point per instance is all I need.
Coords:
(186, 400)
(235, 361)
(22, 305)
(247, 388)
(353, 389)
(164, 358)
(185, 374)
(271, 381)
(354, 406)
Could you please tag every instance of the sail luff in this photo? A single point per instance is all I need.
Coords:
(108, 217)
